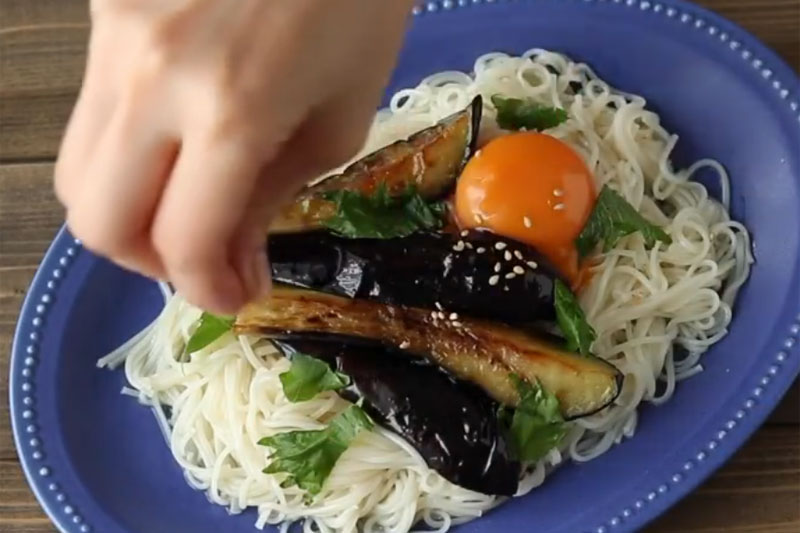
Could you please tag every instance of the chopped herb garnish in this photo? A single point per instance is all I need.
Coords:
(613, 218)
(210, 327)
(309, 376)
(536, 426)
(517, 114)
(382, 216)
(572, 320)
(308, 457)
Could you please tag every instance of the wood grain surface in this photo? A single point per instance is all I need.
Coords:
(42, 51)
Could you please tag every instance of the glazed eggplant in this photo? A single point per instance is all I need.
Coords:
(430, 160)
(428, 270)
(451, 423)
(477, 351)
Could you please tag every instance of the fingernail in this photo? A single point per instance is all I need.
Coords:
(230, 296)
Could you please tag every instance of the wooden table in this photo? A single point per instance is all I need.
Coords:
(42, 47)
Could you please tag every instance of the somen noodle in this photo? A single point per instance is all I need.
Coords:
(655, 311)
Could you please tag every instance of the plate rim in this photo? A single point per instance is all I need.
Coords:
(767, 67)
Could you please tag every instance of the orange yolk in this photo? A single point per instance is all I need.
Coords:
(530, 187)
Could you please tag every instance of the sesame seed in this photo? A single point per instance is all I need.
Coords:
(519, 270)
(440, 315)
(527, 222)
(453, 316)
(438, 306)
(505, 288)
(464, 233)
(507, 256)
(511, 275)
(477, 153)
(497, 267)
(468, 245)
(433, 315)
(494, 279)
(518, 254)
(456, 324)
(480, 249)
(404, 345)
(559, 207)
(458, 246)
(533, 264)
(500, 245)
(558, 193)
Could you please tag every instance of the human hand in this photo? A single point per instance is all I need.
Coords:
(199, 119)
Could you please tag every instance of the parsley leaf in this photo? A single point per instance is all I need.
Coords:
(572, 320)
(381, 216)
(209, 328)
(515, 114)
(308, 376)
(309, 456)
(613, 218)
(536, 426)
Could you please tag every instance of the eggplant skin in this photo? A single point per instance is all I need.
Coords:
(430, 160)
(451, 423)
(477, 351)
(428, 270)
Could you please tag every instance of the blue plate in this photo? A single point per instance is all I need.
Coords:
(97, 461)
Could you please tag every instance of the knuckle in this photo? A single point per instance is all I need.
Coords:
(234, 131)
(231, 125)
(155, 62)
(95, 235)
(178, 246)
(167, 33)
(144, 86)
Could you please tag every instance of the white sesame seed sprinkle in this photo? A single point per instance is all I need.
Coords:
(494, 280)
(480, 249)
(511, 275)
(438, 306)
(518, 254)
(519, 270)
(558, 193)
(456, 324)
(533, 264)
(507, 256)
(453, 316)
(468, 245)
(404, 345)
(527, 222)
(458, 246)
(433, 315)
(505, 288)
(497, 267)
(464, 233)
(478, 153)
(440, 315)
(500, 245)
(559, 207)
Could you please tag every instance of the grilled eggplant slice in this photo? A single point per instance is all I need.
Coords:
(430, 160)
(451, 423)
(477, 351)
(429, 270)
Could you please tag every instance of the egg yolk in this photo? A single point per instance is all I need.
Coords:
(530, 187)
